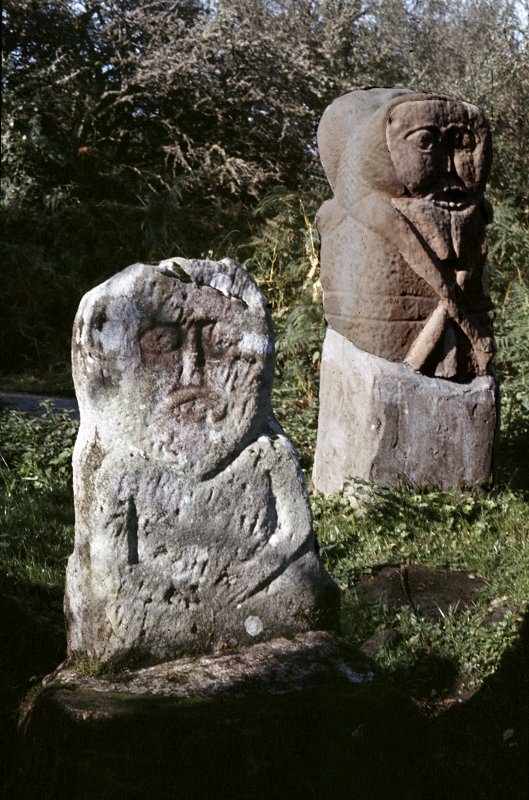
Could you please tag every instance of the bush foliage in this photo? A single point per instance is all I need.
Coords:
(139, 129)
(142, 129)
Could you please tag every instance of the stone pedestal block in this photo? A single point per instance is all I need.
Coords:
(285, 718)
(381, 422)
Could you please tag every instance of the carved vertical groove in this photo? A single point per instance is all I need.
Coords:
(132, 532)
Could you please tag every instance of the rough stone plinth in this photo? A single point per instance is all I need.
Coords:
(383, 423)
(285, 718)
(193, 529)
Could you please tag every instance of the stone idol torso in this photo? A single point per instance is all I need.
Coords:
(193, 530)
(402, 241)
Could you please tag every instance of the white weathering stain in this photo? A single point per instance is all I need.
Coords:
(256, 343)
(253, 625)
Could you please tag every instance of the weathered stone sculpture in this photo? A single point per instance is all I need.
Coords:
(193, 530)
(403, 276)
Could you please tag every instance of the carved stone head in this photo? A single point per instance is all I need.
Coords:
(440, 150)
(175, 361)
(402, 143)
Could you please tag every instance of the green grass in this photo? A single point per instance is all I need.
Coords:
(36, 507)
(487, 534)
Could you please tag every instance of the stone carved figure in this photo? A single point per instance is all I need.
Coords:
(403, 250)
(193, 530)
(407, 393)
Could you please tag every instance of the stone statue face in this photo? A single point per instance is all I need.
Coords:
(176, 368)
(194, 360)
(440, 150)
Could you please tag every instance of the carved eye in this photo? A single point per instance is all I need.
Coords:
(424, 138)
(463, 139)
(161, 339)
(218, 347)
(217, 341)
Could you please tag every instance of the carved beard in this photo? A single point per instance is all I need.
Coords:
(450, 233)
(447, 244)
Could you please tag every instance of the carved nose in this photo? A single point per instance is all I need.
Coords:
(192, 372)
(450, 162)
(192, 360)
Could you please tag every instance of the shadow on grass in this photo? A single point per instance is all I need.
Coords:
(381, 742)
(511, 457)
(32, 644)
(479, 747)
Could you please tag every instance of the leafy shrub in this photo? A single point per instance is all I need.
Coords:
(139, 131)
(35, 496)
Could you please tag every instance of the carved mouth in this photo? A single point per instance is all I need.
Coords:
(453, 198)
(189, 395)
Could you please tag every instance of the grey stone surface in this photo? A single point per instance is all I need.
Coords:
(379, 421)
(267, 668)
(193, 530)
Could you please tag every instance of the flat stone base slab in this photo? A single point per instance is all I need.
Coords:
(383, 423)
(286, 718)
